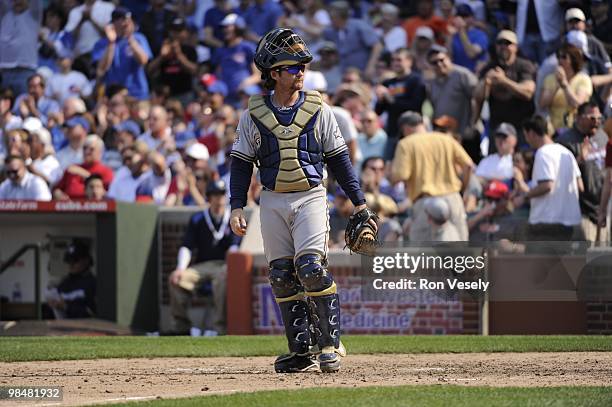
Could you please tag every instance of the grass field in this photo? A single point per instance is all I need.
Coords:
(456, 396)
(19, 349)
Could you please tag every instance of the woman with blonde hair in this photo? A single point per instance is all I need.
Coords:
(567, 88)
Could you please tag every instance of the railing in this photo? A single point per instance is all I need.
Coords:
(13, 259)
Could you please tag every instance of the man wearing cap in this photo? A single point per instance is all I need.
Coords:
(359, 46)
(176, 63)
(405, 92)
(576, 20)
(451, 90)
(72, 184)
(77, 129)
(35, 103)
(588, 142)
(208, 234)
(20, 183)
(427, 163)
(234, 60)
(499, 165)
(329, 66)
(122, 54)
(75, 296)
(213, 30)
(469, 44)
(507, 82)
(420, 47)
(183, 189)
(128, 178)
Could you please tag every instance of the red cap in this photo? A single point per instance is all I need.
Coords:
(496, 190)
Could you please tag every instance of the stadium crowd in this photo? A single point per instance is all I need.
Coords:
(465, 119)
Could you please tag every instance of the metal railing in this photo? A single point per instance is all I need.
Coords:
(13, 259)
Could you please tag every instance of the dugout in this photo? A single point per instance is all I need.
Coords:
(124, 247)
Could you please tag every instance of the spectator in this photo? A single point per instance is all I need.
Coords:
(77, 129)
(176, 64)
(124, 135)
(16, 143)
(8, 120)
(389, 229)
(44, 164)
(357, 43)
(159, 136)
(76, 293)
(54, 42)
(128, 178)
(469, 44)
(576, 20)
(372, 140)
(155, 24)
(156, 181)
(393, 35)
(19, 27)
(338, 218)
(587, 142)
(450, 92)
(234, 60)
(499, 165)
(72, 184)
(538, 26)
(21, 184)
(183, 189)
(507, 82)
(213, 29)
(261, 17)
(122, 55)
(427, 163)
(420, 48)
(210, 235)
(35, 103)
(94, 188)
(394, 96)
(308, 18)
(425, 17)
(68, 83)
(567, 88)
(604, 202)
(87, 23)
(438, 216)
(329, 65)
(555, 209)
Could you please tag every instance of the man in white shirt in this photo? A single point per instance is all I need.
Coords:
(67, 83)
(21, 184)
(87, 22)
(159, 137)
(128, 178)
(77, 128)
(499, 166)
(555, 210)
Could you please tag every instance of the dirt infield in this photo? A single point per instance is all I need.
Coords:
(114, 380)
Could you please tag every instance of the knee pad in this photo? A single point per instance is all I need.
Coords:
(312, 273)
(282, 278)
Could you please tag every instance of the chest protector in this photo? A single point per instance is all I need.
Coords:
(290, 153)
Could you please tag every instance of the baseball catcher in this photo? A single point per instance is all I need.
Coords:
(290, 135)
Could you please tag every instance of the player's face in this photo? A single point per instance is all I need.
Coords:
(291, 77)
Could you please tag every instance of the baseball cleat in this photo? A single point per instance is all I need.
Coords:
(315, 350)
(294, 363)
(329, 360)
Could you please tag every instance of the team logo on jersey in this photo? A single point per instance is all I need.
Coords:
(286, 131)
(237, 138)
(257, 139)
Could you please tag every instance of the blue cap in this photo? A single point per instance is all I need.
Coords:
(182, 138)
(218, 86)
(464, 10)
(120, 12)
(130, 126)
(78, 121)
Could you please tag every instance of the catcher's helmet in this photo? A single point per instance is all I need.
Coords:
(281, 46)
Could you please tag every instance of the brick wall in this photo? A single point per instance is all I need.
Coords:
(599, 318)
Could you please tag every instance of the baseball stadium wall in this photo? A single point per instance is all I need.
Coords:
(135, 247)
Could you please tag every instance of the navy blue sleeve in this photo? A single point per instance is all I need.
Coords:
(340, 165)
(240, 180)
(190, 238)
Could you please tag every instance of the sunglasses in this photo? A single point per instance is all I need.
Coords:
(376, 168)
(503, 43)
(436, 61)
(11, 173)
(593, 118)
(292, 69)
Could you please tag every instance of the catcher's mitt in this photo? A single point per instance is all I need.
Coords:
(360, 236)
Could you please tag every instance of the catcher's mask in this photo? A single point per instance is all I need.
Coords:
(281, 47)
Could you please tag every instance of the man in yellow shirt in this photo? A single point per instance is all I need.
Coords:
(428, 163)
